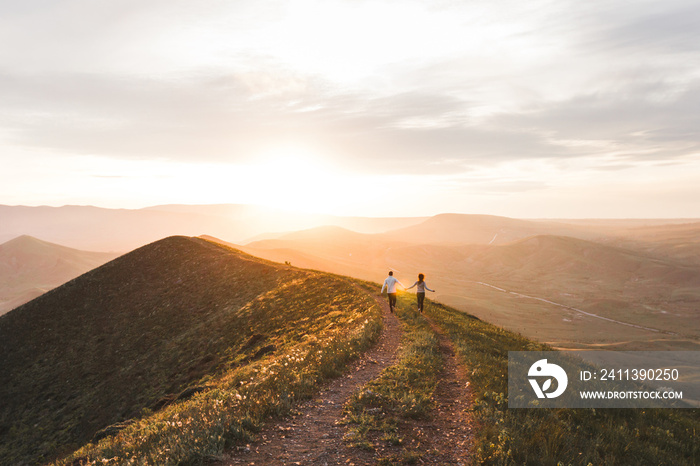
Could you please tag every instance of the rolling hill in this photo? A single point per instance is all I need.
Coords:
(546, 258)
(486, 229)
(679, 242)
(611, 282)
(559, 274)
(126, 338)
(29, 267)
(330, 249)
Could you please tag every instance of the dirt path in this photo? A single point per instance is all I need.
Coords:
(451, 435)
(313, 437)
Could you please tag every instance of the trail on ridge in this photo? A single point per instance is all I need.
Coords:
(314, 435)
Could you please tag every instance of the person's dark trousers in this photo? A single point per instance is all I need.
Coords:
(392, 301)
(421, 298)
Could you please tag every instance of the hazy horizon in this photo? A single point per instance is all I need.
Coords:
(384, 109)
(273, 209)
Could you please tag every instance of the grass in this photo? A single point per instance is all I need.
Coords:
(557, 436)
(378, 412)
(243, 397)
(103, 347)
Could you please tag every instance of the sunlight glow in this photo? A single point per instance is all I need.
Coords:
(286, 177)
(294, 179)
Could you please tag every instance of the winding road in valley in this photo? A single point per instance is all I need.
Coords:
(564, 306)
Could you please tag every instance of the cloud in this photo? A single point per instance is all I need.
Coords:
(653, 28)
(142, 118)
(634, 125)
(221, 117)
(551, 82)
(224, 118)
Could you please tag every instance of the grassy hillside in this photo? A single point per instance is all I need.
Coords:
(126, 340)
(379, 416)
(552, 437)
(30, 267)
(557, 436)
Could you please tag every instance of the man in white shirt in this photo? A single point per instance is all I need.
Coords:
(390, 285)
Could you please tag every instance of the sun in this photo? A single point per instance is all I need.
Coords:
(295, 179)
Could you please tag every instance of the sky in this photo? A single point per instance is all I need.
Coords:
(538, 109)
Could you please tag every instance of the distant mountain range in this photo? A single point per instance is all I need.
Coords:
(122, 230)
(29, 267)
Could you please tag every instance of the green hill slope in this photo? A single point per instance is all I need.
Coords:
(133, 334)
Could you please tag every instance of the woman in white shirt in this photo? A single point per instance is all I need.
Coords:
(421, 286)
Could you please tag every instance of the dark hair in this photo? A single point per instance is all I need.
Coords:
(420, 277)
(391, 272)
